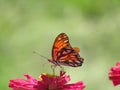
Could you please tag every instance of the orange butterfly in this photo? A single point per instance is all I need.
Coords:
(64, 54)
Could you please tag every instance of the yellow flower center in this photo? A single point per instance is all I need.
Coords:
(48, 75)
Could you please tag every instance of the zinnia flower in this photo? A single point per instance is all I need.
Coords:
(21, 84)
(114, 74)
(46, 82)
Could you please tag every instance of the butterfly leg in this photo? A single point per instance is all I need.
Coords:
(62, 68)
(53, 68)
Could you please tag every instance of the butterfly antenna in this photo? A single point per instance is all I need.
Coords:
(40, 55)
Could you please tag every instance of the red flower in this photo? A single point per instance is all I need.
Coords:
(20, 84)
(46, 82)
(51, 82)
(114, 74)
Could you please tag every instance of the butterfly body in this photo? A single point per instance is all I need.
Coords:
(64, 54)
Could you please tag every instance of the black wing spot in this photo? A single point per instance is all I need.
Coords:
(64, 52)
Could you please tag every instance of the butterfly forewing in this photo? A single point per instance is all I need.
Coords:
(60, 42)
(63, 53)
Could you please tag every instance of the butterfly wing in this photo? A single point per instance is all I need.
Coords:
(63, 53)
(60, 42)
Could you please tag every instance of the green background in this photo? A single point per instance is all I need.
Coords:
(32, 25)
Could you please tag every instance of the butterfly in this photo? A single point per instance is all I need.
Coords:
(64, 54)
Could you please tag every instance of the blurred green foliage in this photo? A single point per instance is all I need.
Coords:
(32, 25)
